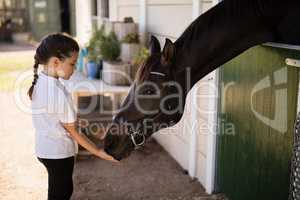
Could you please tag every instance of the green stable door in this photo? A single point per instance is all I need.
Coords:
(257, 110)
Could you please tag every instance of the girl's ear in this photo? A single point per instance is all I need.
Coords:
(54, 61)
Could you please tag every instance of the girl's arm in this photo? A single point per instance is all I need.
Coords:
(86, 143)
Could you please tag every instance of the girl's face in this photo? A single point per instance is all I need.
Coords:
(65, 67)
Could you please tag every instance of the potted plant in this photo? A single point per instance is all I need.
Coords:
(128, 20)
(94, 54)
(115, 72)
(130, 47)
(92, 67)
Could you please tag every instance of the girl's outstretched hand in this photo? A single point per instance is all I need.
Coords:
(105, 156)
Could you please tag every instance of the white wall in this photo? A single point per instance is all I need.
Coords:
(83, 21)
(124, 8)
(201, 105)
(162, 15)
(118, 9)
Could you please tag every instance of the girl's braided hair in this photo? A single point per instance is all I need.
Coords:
(54, 45)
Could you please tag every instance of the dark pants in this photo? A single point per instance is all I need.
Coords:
(60, 181)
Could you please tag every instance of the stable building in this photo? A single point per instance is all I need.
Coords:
(236, 135)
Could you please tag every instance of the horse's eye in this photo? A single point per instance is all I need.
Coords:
(149, 92)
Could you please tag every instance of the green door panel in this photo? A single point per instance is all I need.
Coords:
(257, 109)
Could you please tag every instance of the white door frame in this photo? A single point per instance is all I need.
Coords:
(210, 165)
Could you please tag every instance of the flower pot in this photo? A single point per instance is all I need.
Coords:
(92, 70)
(116, 73)
(129, 51)
(81, 59)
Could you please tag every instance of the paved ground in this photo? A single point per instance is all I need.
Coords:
(21, 176)
(7, 47)
(148, 174)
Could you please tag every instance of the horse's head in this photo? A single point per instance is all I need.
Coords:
(153, 102)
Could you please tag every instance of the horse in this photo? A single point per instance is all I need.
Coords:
(157, 95)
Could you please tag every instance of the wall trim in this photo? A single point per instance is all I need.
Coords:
(212, 136)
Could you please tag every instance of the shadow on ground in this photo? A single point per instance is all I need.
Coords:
(148, 174)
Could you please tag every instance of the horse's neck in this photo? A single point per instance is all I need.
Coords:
(216, 37)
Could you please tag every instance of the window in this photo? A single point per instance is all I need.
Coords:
(17, 12)
(105, 8)
(100, 11)
(95, 7)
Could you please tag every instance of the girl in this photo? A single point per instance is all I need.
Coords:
(54, 117)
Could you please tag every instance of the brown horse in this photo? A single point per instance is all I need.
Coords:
(157, 97)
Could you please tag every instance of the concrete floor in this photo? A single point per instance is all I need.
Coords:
(148, 174)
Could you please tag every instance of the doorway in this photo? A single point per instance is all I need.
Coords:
(65, 16)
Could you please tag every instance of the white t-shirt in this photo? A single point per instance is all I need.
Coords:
(52, 105)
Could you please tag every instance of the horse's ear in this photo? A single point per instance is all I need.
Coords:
(154, 45)
(168, 52)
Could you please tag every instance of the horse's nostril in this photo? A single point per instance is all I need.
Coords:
(108, 143)
(108, 146)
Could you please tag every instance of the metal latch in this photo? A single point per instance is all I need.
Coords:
(292, 62)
